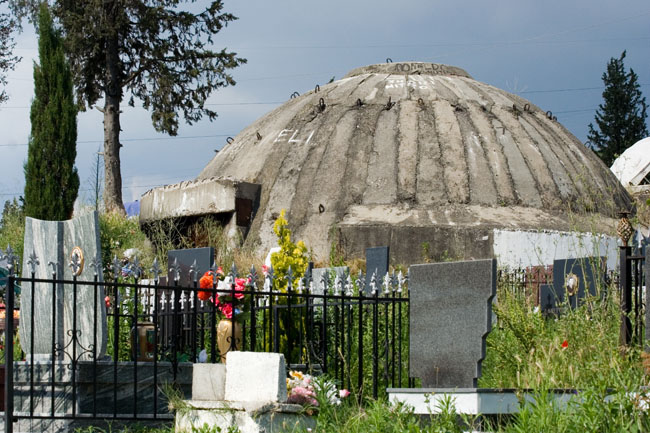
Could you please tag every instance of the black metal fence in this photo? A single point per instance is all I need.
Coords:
(140, 335)
(632, 283)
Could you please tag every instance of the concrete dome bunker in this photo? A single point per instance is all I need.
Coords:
(417, 156)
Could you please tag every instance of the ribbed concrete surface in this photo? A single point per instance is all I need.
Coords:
(417, 139)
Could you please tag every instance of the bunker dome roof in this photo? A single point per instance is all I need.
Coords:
(414, 145)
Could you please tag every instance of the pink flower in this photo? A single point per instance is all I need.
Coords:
(107, 301)
(240, 286)
(226, 310)
(265, 270)
(344, 393)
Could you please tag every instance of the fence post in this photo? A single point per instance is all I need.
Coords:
(624, 231)
(9, 350)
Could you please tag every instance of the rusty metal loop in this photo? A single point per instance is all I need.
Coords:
(229, 140)
(554, 118)
(549, 114)
(359, 102)
(321, 104)
(527, 108)
(321, 208)
(389, 60)
(421, 102)
(317, 88)
(258, 135)
(294, 95)
(389, 104)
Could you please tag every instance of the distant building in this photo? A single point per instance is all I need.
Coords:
(417, 156)
(632, 168)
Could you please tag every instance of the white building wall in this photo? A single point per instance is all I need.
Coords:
(520, 248)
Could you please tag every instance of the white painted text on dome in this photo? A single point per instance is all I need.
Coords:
(294, 136)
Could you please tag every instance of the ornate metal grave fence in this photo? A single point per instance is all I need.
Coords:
(358, 335)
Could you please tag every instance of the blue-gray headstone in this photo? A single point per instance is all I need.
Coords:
(376, 261)
(204, 258)
(53, 242)
(589, 272)
(450, 317)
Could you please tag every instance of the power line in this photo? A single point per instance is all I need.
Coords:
(137, 139)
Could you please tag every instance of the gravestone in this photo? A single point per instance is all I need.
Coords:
(52, 243)
(450, 316)
(318, 273)
(587, 273)
(204, 258)
(376, 261)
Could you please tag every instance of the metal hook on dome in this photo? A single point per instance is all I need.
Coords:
(421, 102)
(389, 104)
(294, 95)
(359, 102)
(317, 88)
(549, 114)
(527, 108)
(321, 104)
(321, 208)
(229, 140)
(389, 60)
(258, 135)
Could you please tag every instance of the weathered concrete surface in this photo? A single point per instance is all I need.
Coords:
(422, 137)
(207, 196)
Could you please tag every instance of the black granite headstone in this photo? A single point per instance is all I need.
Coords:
(588, 273)
(376, 261)
(204, 259)
(450, 316)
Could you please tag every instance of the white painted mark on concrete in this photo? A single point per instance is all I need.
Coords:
(294, 136)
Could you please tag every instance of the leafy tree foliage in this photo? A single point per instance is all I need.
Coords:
(7, 60)
(51, 180)
(621, 117)
(158, 51)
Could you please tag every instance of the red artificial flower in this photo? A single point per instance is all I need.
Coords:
(206, 282)
(565, 344)
(240, 286)
(226, 310)
(107, 301)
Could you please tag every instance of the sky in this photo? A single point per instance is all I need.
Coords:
(551, 52)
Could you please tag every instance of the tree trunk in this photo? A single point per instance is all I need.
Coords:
(113, 96)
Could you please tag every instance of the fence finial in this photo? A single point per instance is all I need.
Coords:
(33, 262)
(194, 272)
(176, 269)
(11, 260)
(155, 270)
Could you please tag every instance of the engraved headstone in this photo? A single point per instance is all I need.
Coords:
(450, 317)
(49, 246)
(202, 257)
(376, 262)
(574, 278)
(318, 273)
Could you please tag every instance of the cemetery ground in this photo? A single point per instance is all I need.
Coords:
(578, 349)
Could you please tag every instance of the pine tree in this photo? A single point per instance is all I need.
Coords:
(51, 180)
(621, 118)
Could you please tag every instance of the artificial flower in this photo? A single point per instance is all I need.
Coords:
(565, 344)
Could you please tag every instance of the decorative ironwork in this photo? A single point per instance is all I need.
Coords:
(33, 262)
(116, 267)
(155, 270)
(624, 229)
(194, 272)
(96, 264)
(11, 259)
(76, 264)
(136, 269)
(176, 270)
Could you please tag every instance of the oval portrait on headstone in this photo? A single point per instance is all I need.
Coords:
(78, 263)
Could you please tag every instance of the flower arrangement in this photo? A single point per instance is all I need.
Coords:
(300, 389)
(230, 305)
(306, 390)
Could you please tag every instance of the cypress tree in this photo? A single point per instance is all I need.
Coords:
(621, 117)
(51, 180)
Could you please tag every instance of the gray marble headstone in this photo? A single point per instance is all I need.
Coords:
(450, 317)
(590, 272)
(376, 261)
(204, 258)
(318, 273)
(53, 242)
